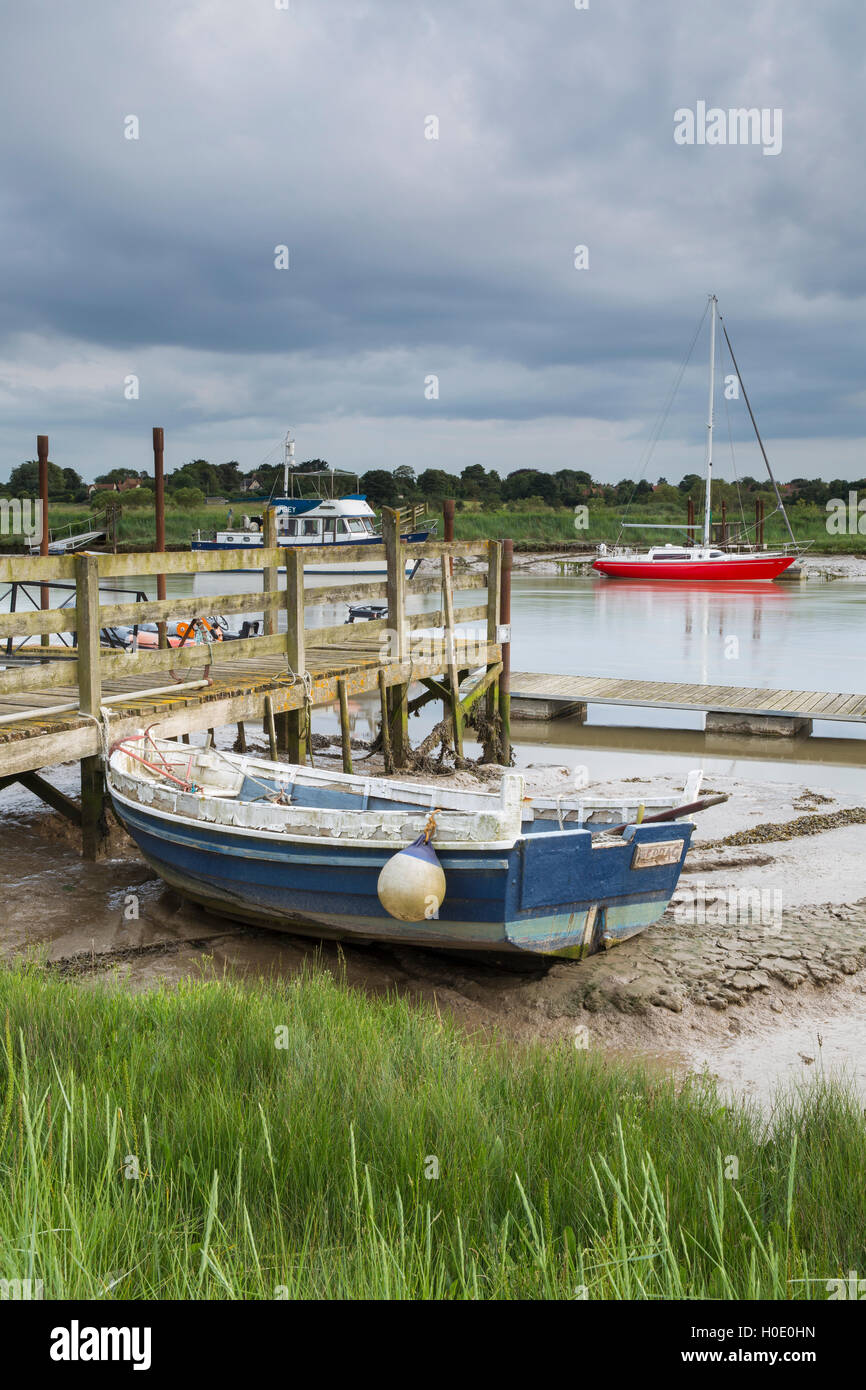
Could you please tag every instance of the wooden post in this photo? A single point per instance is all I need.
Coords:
(269, 725)
(448, 523)
(395, 586)
(505, 678)
(270, 574)
(759, 520)
(451, 657)
(494, 592)
(241, 740)
(345, 737)
(44, 535)
(159, 505)
(93, 824)
(690, 523)
(296, 719)
(724, 524)
(387, 755)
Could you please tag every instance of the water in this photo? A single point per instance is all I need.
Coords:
(797, 636)
(807, 636)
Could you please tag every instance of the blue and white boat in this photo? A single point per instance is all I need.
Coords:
(306, 850)
(321, 525)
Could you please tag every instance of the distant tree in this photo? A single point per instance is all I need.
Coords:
(117, 475)
(380, 488)
(24, 480)
(435, 483)
(186, 497)
(690, 482)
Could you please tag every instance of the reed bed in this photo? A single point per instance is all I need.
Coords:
(175, 1144)
(553, 525)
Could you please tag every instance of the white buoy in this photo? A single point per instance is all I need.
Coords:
(411, 886)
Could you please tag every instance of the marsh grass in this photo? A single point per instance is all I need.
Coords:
(553, 525)
(302, 1171)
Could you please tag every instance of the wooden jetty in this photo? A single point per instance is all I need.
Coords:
(729, 709)
(70, 702)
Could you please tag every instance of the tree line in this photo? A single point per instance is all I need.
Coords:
(192, 482)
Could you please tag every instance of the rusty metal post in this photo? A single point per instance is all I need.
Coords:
(42, 455)
(159, 502)
(505, 677)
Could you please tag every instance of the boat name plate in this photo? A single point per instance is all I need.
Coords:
(651, 855)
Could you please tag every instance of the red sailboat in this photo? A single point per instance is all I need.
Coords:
(691, 563)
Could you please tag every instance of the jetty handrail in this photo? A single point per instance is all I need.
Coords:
(94, 662)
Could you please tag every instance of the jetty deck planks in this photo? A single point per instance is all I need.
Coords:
(708, 699)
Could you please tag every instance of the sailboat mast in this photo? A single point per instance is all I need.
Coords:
(288, 461)
(708, 498)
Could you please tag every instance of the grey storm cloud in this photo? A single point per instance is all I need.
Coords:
(305, 126)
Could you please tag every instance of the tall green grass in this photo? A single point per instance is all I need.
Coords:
(307, 1170)
(538, 525)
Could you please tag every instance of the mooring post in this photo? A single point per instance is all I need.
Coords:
(494, 594)
(505, 623)
(398, 702)
(448, 523)
(387, 755)
(296, 719)
(270, 573)
(93, 823)
(451, 657)
(270, 727)
(690, 522)
(159, 504)
(44, 534)
(345, 734)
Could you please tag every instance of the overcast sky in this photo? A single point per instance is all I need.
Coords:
(410, 257)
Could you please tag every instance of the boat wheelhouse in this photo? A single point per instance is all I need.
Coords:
(320, 525)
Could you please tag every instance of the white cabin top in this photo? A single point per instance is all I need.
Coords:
(684, 552)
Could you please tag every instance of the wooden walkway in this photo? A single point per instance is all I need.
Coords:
(62, 703)
(709, 699)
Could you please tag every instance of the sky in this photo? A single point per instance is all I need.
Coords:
(430, 168)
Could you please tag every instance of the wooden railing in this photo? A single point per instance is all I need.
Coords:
(90, 663)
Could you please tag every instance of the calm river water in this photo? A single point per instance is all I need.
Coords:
(797, 636)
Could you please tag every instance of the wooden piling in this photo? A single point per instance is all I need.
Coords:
(387, 754)
(269, 725)
(505, 677)
(451, 656)
(345, 737)
(241, 740)
(398, 703)
(93, 823)
(270, 575)
(494, 595)
(296, 719)
(159, 506)
(690, 521)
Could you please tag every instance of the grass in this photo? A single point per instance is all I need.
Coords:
(303, 1170)
(538, 526)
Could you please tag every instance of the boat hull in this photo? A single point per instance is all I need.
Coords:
(325, 559)
(693, 571)
(558, 894)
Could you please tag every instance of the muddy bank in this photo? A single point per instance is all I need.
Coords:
(765, 939)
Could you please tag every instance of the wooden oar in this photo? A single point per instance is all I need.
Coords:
(673, 813)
